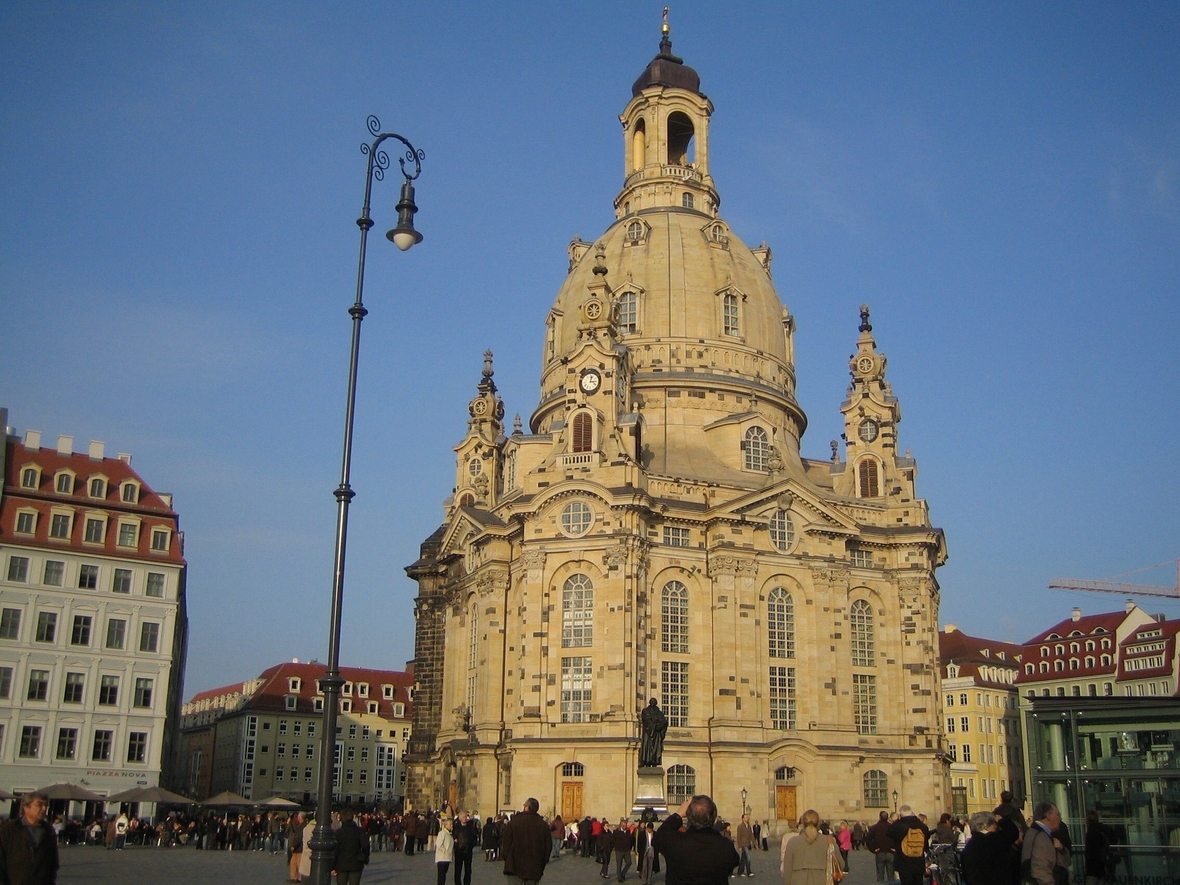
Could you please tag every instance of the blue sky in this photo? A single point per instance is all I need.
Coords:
(1001, 182)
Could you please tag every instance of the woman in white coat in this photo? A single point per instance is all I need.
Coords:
(444, 849)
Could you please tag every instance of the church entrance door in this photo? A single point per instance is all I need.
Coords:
(571, 801)
(784, 804)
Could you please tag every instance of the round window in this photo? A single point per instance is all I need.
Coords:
(576, 518)
(475, 467)
(782, 530)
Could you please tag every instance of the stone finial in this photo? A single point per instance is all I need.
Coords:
(486, 384)
(865, 325)
(600, 260)
(516, 425)
(835, 451)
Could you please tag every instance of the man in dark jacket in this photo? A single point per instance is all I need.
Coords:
(525, 845)
(883, 848)
(699, 855)
(986, 859)
(466, 833)
(912, 837)
(28, 846)
(623, 844)
(352, 850)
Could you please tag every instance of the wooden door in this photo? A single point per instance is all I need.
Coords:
(784, 804)
(571, 801)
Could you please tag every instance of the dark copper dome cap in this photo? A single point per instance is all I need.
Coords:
(667, 69)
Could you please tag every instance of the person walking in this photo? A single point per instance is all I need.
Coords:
(1045, 857)
(606, 844)
(844, 841)
(912, 837)
(28, 845)
(465, 833)
(294, 846)
(557, 834)
(809, 857)
(646, 852)
(352, 850)
(883, 848)
(411, 832)
(623, 844)
(525, 845)
(1099, 836)
(745, 841)
(490, 839)
(699, 855)
(444, 849)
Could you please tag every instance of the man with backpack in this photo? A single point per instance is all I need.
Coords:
(912, 836)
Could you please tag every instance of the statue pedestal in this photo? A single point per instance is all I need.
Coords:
(650, 792)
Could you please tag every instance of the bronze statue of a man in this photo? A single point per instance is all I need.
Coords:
(653, 726)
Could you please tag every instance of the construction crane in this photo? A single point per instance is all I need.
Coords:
(1123, 589)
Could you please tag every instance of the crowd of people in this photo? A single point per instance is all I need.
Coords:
(693, 844)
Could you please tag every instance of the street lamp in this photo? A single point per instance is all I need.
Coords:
(895, 801)
(744, 795)
(323, 842)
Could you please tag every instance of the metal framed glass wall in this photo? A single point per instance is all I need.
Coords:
(1119, 757)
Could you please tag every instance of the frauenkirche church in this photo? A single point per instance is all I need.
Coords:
(656, 533)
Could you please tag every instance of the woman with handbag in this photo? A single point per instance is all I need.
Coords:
(809, 858)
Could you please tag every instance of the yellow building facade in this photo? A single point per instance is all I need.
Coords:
(656, 533)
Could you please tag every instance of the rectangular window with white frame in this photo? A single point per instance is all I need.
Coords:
(155, 585)
(55, 573)
(864, 703)
(577, 678)
(782, 698)
(95, 529)
(674, 692)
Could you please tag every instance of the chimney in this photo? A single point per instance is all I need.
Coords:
(32, 439)
(96, 450)
(1076, 614)
(1130, 606)
(65, 445)
(950, 628)
(125, 457)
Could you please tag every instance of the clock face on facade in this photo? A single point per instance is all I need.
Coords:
(593, 310)
(864, 365)
(590, 381)
(480, 406)
(868, 429)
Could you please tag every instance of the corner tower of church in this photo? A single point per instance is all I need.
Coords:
(658, 534)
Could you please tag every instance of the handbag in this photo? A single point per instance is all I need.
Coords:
(837, 874)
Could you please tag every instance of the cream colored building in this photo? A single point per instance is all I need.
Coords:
(657, 533)
(981, 719)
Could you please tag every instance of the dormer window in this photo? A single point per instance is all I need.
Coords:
(317, 704)
(348, 688)
(362, 689)
(160, 540)
(294, 684)
(346, 706)
(130, 493)
(373, 707)
(98, 487)
(60, 525)
(30, 478)
(64, 482)
(756, 446)
(729, 313)
(387, 692)
(952, 672)
(1044, 651)
(26, 522)
(635, 231)
(128, 534)
(1059, 649)
(399, 710)
(290, 701)
(628, 313)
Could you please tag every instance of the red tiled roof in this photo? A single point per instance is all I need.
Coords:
(236, 688)
(151, 508)
(979, 658)
(1042, 648)
(275, 688)
(1158, 632)
(1084, 626)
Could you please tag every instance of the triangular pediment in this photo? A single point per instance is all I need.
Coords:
(467, 521)
(793, 492)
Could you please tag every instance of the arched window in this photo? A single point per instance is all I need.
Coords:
(30, 478)
(782, 530)
(573, 769)
(729, 314)
(635, 231)
(869, 487)
(861, 618)
(680, 133)
(784, 774)
(1089, 661)
(1044, 666)
(1073, 663)
(757, 447)
(628, 314)
(583, 433)
(674, 618)
(682, 783)
(577, 612)
(467, 500)
(1058, 666)
(780, 623)
(876, 789)
(1105, 660)
(639, 145)
(1030, 669)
